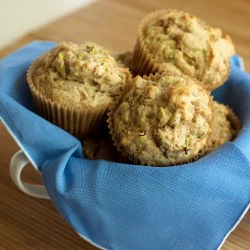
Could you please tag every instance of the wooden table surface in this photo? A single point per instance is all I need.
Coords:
(30, 223)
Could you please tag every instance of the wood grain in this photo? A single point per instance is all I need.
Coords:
(29, 223)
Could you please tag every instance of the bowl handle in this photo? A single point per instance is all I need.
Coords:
(17, 163)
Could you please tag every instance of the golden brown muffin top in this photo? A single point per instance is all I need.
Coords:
(79, 75)
(162, 120)
(182, 43)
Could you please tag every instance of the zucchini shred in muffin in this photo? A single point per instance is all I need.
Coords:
(177, 42)
(73, 85)
(162, 120)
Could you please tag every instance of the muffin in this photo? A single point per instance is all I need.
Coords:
(225, 126)
(177, 42)
(162, 120)
(73, 85)
(100, 148)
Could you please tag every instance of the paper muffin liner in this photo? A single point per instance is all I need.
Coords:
(81, 123)
(134, 159)
(143, 62)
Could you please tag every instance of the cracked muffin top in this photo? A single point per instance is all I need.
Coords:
(183, 44)
(162, 120)
(76, 75)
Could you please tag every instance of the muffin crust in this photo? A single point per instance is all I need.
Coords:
(162, 120)
(178, 42)
(79, 75)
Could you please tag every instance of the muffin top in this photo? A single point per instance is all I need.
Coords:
(162, 120)
(79, 75)
(181, 43)
(225, 125)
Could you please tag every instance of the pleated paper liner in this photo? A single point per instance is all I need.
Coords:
(226, 133)
(133, 158)
(145, 62)
(81, 123)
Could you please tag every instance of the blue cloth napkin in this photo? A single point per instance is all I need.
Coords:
(122, 206)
